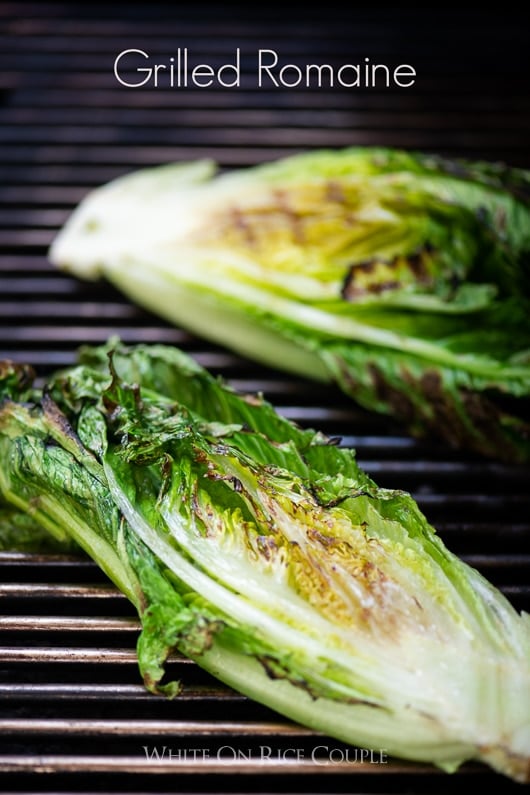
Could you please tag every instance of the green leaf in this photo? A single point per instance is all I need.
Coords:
(412, 255)
(265, 554)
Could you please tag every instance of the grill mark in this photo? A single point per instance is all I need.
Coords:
(335, 192)
(294, 220)
(415, 262)
(240, 222)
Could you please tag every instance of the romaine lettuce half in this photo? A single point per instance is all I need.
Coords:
(402, 277)
(264, 553)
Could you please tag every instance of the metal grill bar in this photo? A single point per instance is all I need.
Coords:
(135, 765)
(34, 654)
(59, 591)
(152, 728)
(62, 623)
(114, 692)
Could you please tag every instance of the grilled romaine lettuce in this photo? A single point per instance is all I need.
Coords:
(264, 553)
(403, 277)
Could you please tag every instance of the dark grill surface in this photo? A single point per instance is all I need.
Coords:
(74, 715)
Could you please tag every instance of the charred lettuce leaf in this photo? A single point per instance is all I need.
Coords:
(264, 553)
(403, 277)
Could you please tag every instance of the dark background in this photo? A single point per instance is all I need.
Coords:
(67, 120)
(66, 126)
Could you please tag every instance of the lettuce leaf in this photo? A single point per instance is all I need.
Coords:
(402, 277)
(264, 553)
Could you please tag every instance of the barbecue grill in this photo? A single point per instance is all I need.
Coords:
(74, 714)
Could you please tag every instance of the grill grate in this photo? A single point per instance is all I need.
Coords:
(74, 717)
